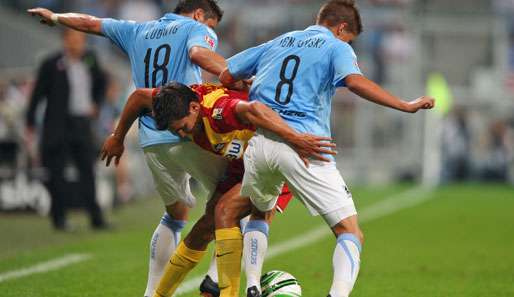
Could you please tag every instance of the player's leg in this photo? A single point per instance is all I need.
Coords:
(230, 209)
(346, 257)
(255, 241)
(194, 159)
(164, 241)
(209, 286)
(172, 184)
(262, 182)
(189, 252)
(323, 191)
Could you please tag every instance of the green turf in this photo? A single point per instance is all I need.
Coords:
(459, 243)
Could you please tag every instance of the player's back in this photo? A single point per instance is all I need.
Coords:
(296, 75)
(159, 52)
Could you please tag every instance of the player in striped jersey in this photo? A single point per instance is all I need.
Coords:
(220, 121)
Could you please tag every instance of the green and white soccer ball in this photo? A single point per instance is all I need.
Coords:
(280, 284)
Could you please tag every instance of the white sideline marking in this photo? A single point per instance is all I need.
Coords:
(45, 266)
(387, 206)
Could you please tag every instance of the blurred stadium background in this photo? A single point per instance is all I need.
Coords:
(461, 50)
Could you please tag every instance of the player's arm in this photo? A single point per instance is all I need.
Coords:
(226, 78)
(371, 91)
(78, 21)
(139, 101)
(306, 145)
(207, 59)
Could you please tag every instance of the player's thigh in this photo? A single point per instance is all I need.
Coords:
(262, 182)
(320, 186)
(205, 167)
(171, 181)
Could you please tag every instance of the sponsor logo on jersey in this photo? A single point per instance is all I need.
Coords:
(210, 41)
(234, 150)
(217, 113)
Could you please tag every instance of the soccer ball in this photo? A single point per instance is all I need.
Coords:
(280, 284)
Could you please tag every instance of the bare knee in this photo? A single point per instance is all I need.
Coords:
(178, 211)
(201, 234)
(228, 213)
(349, 225)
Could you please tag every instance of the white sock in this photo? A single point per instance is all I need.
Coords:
(164, 242)
(213, 270)
(255, 242)
(346, 264)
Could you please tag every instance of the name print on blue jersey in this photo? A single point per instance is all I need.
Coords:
(161, 32)
(290, 41)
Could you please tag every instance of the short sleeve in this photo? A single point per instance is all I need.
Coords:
(120, 32)
(224, 114)
(344, 62)
(244, 64)
(202, 36)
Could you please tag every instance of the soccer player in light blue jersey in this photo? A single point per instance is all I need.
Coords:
(296, 74)
(174, 47)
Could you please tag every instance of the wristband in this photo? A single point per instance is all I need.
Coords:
(55, 18)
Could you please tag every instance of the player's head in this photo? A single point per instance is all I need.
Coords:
(74, 42)
(204, 11)
(176, 108)
(342, 17)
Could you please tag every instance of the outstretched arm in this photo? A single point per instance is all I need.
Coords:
(369, 90)
(78, 21)
(306, 145)
(139, 101)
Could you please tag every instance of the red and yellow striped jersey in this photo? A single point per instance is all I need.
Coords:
(222, 132)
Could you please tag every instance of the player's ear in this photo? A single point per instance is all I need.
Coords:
(199, 15)
(342, 28)
(194, 106)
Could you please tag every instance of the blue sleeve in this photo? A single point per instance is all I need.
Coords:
(344, 62)
(244, 64)
(122, 33)
(202, 36)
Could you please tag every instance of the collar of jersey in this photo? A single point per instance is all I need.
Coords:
(173, 16)
(320, 28)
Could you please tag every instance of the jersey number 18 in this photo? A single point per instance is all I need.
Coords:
(157, 67)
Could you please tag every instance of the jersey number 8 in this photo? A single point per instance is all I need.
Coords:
(285, 81)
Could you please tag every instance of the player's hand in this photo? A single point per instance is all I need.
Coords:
(44, 14)
(113, 148)
(424, 102)
(312, 146)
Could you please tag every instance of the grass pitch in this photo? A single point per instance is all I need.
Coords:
(458, 242)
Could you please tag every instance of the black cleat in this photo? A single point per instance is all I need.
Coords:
(253, 292)
(208, 288)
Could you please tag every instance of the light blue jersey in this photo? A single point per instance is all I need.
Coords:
(159, 52)
(296, 74)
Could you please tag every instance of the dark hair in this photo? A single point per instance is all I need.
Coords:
(335, 12)
(171, 103)
(211, 8)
